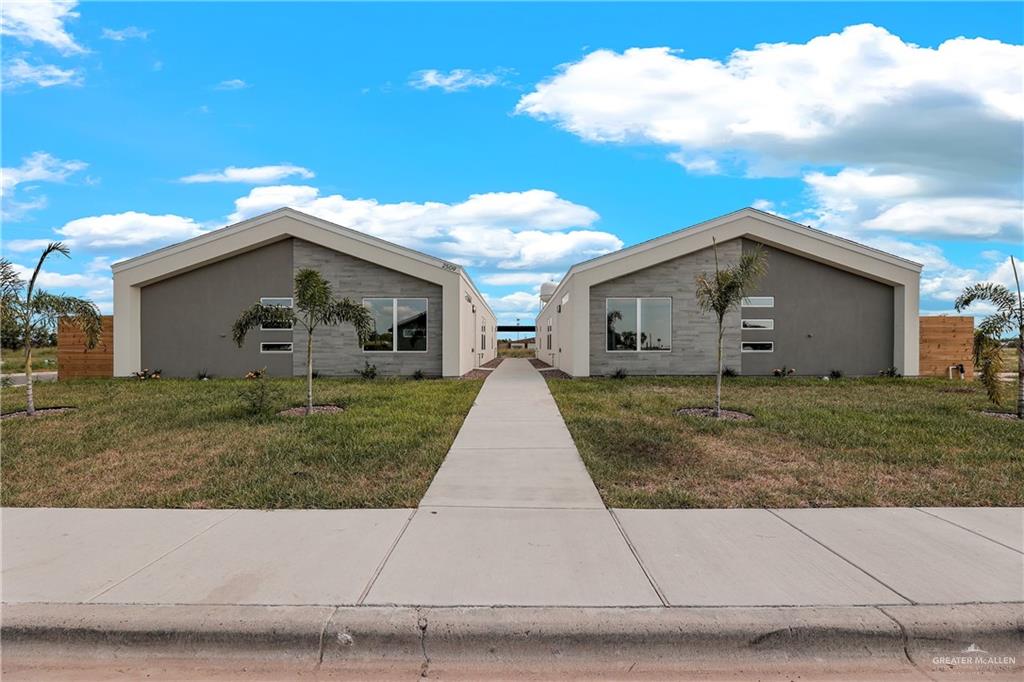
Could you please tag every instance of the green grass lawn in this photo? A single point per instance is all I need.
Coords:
(188, 443)
(43, 359)
(852, 442)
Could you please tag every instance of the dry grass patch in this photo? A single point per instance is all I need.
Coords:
(851, 442)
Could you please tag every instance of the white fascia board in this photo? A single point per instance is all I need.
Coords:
(265, 229)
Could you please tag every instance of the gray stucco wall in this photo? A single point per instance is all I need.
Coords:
(186, 320)
(825, 319)
(336, 351)
(694, 334)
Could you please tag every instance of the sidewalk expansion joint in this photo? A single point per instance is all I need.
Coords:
(859, 568)
(639, 561)
(162, 556)
(905, 641)
(969, 530)
(380, 566)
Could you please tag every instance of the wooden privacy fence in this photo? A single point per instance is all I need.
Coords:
(75, 361)
(945, 341)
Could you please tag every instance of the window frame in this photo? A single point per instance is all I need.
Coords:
(769, 320)
(745, 350)
(394, 322)
(747, 302)
(291, 304)
(290, 344)
(639, 324)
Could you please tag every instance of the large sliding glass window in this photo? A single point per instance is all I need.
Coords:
(406, 315)
(639, 324)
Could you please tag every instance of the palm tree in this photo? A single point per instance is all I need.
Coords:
(35, 311)
(724, 292)
(314, 306)
(1009, 314)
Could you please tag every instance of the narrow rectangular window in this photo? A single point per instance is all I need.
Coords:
(656, 324)
(382, 327)
(758, 302)
(412, 324)
(398, 325)
(281, 301)
(758, 324)
(757, 346)
(275, 347)
(621, 317)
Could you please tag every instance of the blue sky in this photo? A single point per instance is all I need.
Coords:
(515, 139)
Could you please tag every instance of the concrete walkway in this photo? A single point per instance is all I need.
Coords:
(512, 517)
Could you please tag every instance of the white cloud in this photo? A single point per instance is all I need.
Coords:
(974, 217)
(18, 72)
(253, 175)
(24, 245)
(514, 230)
(455, 80)
(41, 21)
(126, 33)
(37, 167)
(128, 229)
(232, 84)
(520, 302)
(48, 279)
(502, 279)
(764, 205)
(924, 137)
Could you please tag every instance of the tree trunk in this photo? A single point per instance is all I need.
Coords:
(1020, 374)
(309, 372)
(30, 403)
(718, 377)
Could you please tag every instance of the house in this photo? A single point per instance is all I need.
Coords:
(825, 303)
(174, 307)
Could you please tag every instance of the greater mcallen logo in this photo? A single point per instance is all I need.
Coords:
(974, 655)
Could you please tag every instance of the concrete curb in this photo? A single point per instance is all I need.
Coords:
(314, 635)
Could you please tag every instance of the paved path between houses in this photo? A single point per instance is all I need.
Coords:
(20, 379)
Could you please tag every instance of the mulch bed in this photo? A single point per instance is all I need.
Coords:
(492, 363)
(731, 415)
(539, 364)
(477, 374)
(552, 373)
(1000, 415)
(40, 412)
(317, 409)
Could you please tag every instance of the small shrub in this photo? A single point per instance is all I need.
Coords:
(203, 375)
(620, 373)
(368, 372)
(835, 374)
(890, 372)
(259, 397)
(729, 372)
(418, 375)
(783, 372)
(146, 374)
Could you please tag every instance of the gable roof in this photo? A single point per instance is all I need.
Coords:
(260, 230)
(771, 229)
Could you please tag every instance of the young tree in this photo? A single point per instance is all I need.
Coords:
(1008, 317)
(725, 291)
(314, 306)
(35, 312)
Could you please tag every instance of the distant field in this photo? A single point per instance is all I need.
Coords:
(516, 353)
(13, 361)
